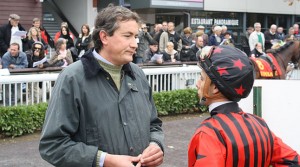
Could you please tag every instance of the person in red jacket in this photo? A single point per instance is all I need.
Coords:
(231, 137)
(58, 34)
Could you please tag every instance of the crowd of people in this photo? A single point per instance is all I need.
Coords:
(14, 36)
(183, 43)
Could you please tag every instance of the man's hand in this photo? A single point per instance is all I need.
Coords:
(152, 156)
(12, 66)
(120, 160)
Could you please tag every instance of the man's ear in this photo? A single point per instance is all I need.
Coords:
(215, 89)
(103, 37)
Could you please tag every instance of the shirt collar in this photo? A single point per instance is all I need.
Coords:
(92, 67)
(217, 104)
(99, 57)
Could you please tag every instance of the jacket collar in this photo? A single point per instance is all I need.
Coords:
(92, 67)
(226, 109)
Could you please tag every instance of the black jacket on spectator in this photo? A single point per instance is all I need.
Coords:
(191, 54)
(83, 44)
(268, 38)
(5, 35)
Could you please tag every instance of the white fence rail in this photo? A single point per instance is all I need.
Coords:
(35, 88)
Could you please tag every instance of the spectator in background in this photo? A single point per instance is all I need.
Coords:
(151, 51)
(13, 59)
(33, 35)
(257, 51)
(170, 54)
(290, 34)
(224, 30)
(83, 40)
(70, 43)
(64, 33)
(280, 34)
(187, 42)
(58, 34)
(7, 34)
(156, 29)
(163, 28)
(170, 36)
(296, 29)
(197, 47)
(228, 40)
(245, 40)
(270, 36)
(216, 38)
(36, 54)
(256, 36)
(62, 57)
(36, 22)
(143, 39)
(201, 32)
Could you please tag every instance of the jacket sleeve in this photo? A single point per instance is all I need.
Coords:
(57, 144)
(156, 132)
(163, 40)
(24, 61)
(206, 150)
(251, 41)
(69, 58)
(283, 155)
(3, 46)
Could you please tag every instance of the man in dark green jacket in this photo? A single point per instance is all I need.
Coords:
(102, 112)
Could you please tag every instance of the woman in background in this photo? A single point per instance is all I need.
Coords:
(62, 57)
(83, 41)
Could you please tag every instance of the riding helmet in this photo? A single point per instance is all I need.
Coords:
(229, 69)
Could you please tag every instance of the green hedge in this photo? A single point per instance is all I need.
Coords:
(177, 102)
(20, 120)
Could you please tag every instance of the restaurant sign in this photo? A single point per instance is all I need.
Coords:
(207, 21)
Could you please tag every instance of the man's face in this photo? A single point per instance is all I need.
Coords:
(14, 50)
(14, 22)
(280, 30)
(171, 27)
(120, 47)
(273, 29)
(200, 84)
(199, 42)
(296, 27)
(165, 26)
(257, 27)
(37, 24)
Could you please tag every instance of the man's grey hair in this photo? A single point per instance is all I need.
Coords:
(108, 20)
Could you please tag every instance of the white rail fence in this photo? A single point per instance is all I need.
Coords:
(35, 88)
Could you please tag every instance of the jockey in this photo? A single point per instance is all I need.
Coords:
(232, 137)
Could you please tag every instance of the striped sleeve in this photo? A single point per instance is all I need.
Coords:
(283, 155)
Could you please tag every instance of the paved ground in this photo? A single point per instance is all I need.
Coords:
(23, 151)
